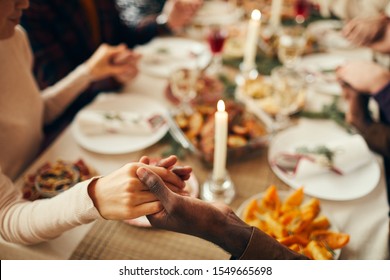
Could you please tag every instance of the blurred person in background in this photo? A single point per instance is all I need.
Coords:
(350, 9)
(362, 81)
(63, 34)
(139, 12)
(367, 24)
(371, 30)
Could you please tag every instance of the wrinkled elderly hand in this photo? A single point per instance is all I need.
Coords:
(365, 31)
(102, 63)
(182, 12)
(121, 195)
(364, 76)
(195, 217)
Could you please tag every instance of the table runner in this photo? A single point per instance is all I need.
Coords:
(117, 240)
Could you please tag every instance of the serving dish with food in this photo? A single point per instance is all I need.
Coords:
(260, 91)
(208, 89)
(247, 134)
(296, 221)
(53, 178)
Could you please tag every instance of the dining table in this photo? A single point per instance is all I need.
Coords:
(365, 218)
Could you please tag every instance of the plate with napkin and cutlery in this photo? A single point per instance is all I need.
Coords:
(326, 160)
(120, 123)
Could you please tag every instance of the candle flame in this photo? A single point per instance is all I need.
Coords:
(256, 15)
(221, 106)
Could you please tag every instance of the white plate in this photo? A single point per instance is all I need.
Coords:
(323, 67)
(142, 221)
(218, 12)
(162, 56)
(328, 34)
(119, 143)
(282, 196)
(330, 186)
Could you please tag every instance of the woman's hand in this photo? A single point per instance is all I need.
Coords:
(121, 195)
(129, 59)
(117, 61)
(169, 163)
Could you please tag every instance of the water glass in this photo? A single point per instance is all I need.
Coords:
(288, 88)
(183, 84)
(291, 45)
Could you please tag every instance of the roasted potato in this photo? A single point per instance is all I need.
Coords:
(295, 223)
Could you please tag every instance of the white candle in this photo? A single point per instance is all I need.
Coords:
(324, 8)
(220, 141)
(276, 11)
(251, 40)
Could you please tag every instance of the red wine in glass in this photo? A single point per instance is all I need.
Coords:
(216, 39)
(302, 8)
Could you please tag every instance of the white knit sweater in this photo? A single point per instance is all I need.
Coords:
(24, 110)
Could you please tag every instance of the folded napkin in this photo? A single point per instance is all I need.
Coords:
(340, 157)
(119, 122)
(336, 40)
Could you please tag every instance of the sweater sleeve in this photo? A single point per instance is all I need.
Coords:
(59, 96)
(27, 222)
(383, 100)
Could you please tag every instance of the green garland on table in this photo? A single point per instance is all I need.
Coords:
(330, 111)
(174, 148)
(264, 63)
(229, 86)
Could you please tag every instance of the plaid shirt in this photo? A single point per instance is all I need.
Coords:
(61, 40)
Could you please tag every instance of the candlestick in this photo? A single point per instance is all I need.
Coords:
(219, 186)
(276, 11)
(251, 41)
(220, 141)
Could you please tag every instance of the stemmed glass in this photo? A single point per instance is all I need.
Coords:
(183, 84)
(288, 87)
(302, 10)
(291, 45)
(216, 36)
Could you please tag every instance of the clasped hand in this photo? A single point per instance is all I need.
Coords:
(113, 61)
(121, 195)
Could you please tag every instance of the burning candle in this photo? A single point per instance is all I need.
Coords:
(276, 11)
(251, 40)
(220, 141)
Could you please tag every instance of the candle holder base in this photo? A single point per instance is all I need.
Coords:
(245, 74)
(218, 190)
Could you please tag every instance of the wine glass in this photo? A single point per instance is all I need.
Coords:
(302, 10)
(183, 82)
(216, 37)
(288, 87)
(291, 45)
